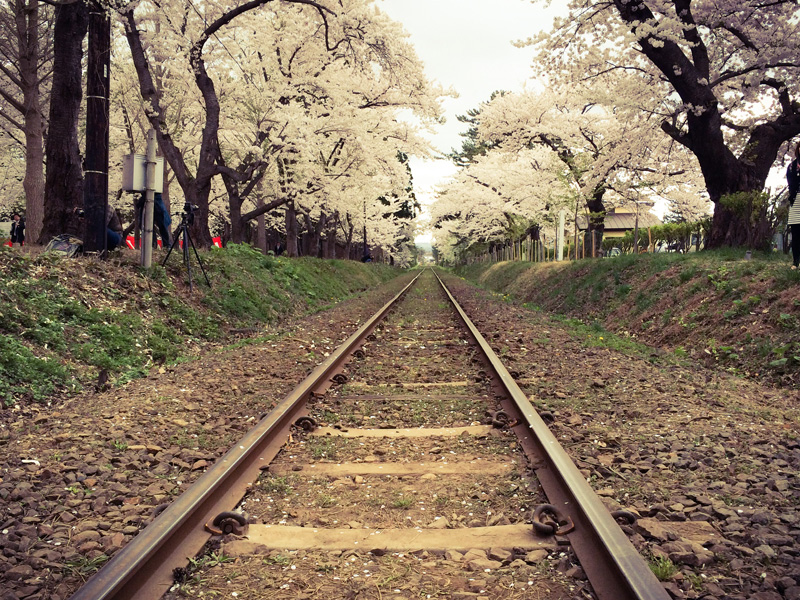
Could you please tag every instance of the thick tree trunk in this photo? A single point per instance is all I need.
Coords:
(261, 227)
(348, 247)
(316, 241)
(307, 237)
(597, 223)
(238, 227)
(198, 196)
(291, 230)
(329, 246)
(27, 18)
(730, 227)
(64, 177)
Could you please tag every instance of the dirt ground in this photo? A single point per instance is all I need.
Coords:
(710, 461)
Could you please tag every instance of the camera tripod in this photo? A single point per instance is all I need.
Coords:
(186, 219)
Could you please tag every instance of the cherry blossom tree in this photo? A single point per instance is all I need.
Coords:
(196, 28)
(604, 149)
(304, 99)
(330, 118)
(25, 70)
(730, 69)
(499, 197)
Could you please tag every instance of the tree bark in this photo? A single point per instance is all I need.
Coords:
(317, 241)
(308, 236)
(261, 227)
(291, 230)
(597, 222)
(64, 177)
(329, 246)
(95, 190)
(27, 19)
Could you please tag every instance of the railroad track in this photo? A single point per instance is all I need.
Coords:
(410, 447)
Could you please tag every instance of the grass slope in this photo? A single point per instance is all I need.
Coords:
(716, 307)
(62, 321)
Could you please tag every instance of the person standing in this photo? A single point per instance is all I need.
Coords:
(18, 230)
(793, 179)
(161, 218)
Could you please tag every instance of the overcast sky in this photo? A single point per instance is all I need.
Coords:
(467, 45)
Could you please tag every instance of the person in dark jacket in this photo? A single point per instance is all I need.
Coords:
(793, 179)
(161, 218)
(113, 228)
(18, 230)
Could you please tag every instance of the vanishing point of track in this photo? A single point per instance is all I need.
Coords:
(570, 514)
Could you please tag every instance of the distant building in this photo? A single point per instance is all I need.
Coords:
(620, 220)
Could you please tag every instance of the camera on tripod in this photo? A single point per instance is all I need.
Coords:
(186, 241)
(188, 212)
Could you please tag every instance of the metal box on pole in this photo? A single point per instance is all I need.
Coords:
(134, 170)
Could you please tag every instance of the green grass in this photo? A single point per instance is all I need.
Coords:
(83, 566)
(326, 500)
(273, 484)
(671, 300)
(321, 447)
(663, 568)
(402, 502)
(62, 321)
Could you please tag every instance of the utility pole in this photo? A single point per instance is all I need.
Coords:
(95, 191)
(149, 196)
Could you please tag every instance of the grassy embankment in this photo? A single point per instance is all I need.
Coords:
(717, 307)
(62, 321)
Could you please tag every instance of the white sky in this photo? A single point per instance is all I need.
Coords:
(466, 45)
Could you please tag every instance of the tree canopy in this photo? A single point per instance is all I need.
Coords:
(723, 77)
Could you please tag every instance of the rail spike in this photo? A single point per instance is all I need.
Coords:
(307, 424)
(228, 522)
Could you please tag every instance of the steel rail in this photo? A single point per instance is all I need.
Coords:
(143, 569)
(614, 567)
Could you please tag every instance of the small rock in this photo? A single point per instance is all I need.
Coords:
(85, 536)
(761, 518)
(454, 555)
(500, 554)
(475, 553)
(483, 564)
(576, 573)
(534, 556)
(792, 593)
(18, 572)
(766, 551)
(500, 519)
